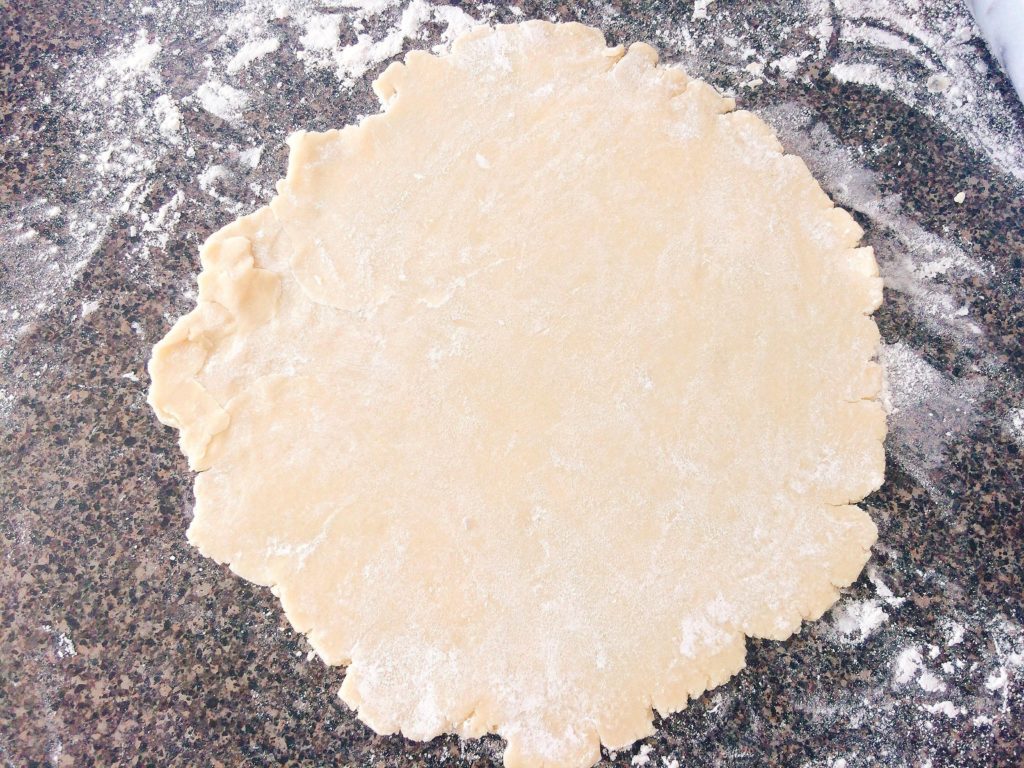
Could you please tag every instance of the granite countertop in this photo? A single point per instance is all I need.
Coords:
(130, 131)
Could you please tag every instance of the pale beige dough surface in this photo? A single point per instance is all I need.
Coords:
(534, 394)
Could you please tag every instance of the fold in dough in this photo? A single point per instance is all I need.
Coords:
(534, 394)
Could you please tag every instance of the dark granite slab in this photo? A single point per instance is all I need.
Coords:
(120, 645)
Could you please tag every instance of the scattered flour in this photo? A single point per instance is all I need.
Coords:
(912, 259)
(928, 55)
(927, 410)
(944, 707)
(937, 70)
(168, 118)
(250, 51)
(855, 621)
(700, 9)
(643, 757)
(369, 7)
(908, 664)
(322, 48)
(220, 99)
(930, 682)
(122, 129)
(1015, 425)
(915, 701)
(63, 645)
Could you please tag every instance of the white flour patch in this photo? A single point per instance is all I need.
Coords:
(912, 259)
(456, 22)
(135, 60)
(882, 588)
(222, 100)
(1015, 425)
(251, 157)
(168, 118)
(930, 682)
(64, 646)
(944, 707)
(927, 409)
(908, 664)
(700, 9)
(250, 52)
(865, 74)
(854, 621)
(643, 757)
(941, 73)
(997, 681)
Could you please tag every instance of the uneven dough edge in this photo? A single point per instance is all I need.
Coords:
(233, 295)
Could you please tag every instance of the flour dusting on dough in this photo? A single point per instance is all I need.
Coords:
(476, 459)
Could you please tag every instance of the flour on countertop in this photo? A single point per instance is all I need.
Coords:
(930, 684)
(643, 756)
(928, 55)
(220, 99)
(936, 69)
(882, 588)
(1015, 425)
(250, 51)
(130, 121)
(911, 258)
(64, 646)
(855, 621)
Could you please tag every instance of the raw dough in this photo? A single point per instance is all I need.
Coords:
(534, 394)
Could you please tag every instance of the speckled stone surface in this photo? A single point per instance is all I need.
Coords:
(120, 645)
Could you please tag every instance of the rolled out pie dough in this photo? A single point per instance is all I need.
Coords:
(534, 394)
